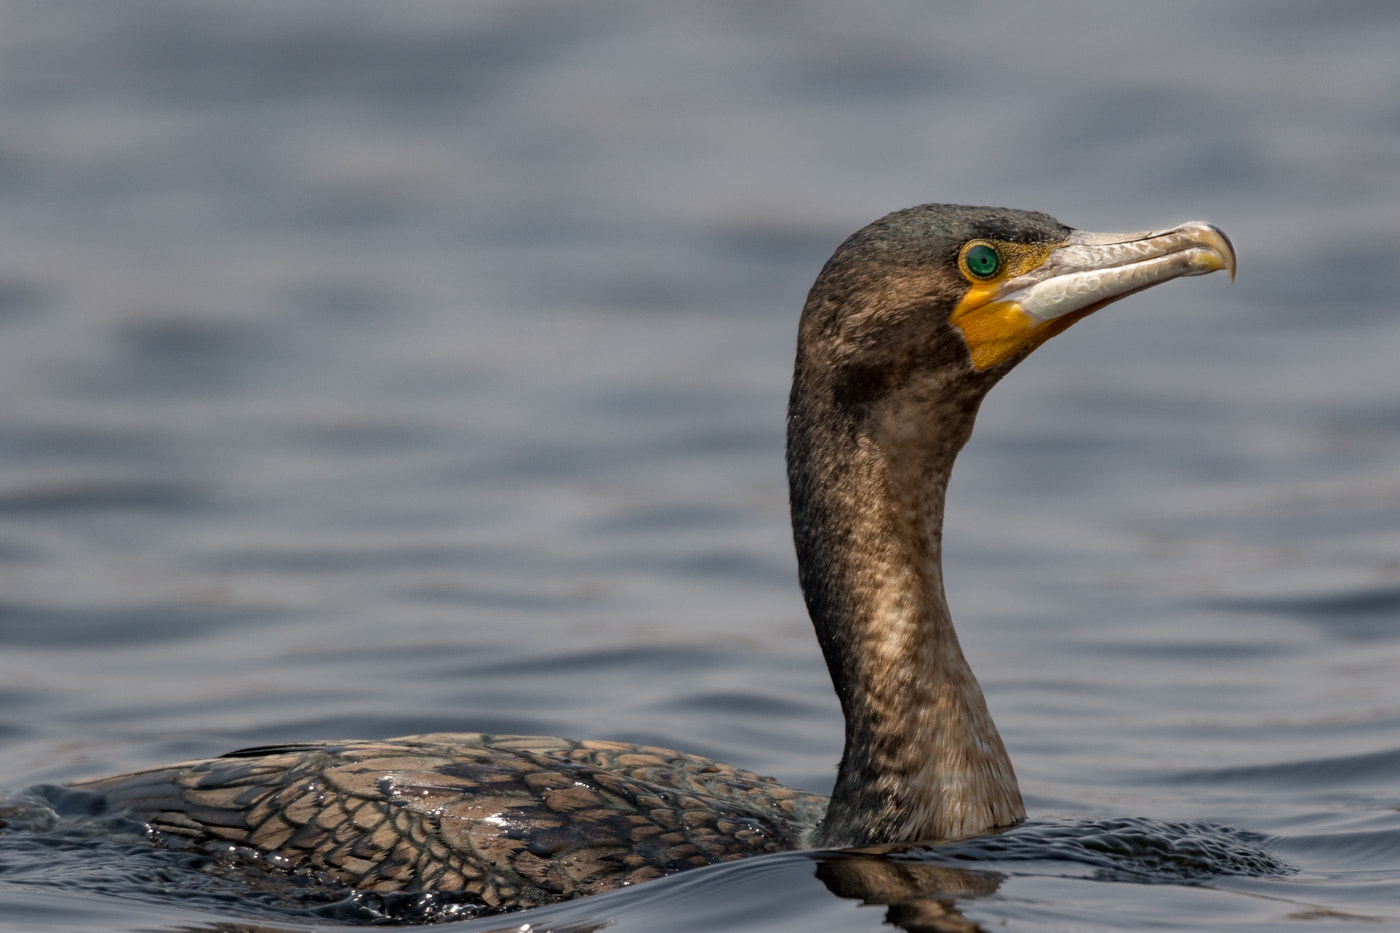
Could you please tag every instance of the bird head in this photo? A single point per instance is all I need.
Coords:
(952, 296)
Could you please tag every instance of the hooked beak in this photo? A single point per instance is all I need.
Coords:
(1008, 318)
(1092, 269)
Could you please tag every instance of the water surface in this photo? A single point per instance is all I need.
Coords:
(372, 368)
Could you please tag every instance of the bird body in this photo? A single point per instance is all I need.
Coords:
(517, 821)
(910, 323)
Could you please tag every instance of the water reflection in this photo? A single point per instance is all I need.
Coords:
(921, 897)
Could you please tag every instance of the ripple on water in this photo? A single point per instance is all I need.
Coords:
(1329, 775)
(33, 625)
(111, 854)
(1362, 614)
(1130, 849)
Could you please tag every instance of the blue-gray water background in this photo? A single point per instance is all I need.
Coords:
(370, 368)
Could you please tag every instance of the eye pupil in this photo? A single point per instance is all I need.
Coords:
(982, 261)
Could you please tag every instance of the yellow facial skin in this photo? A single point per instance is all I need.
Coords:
(998, 330)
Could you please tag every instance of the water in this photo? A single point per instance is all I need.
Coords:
(372, 368)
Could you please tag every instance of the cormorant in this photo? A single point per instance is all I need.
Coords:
(908, 325)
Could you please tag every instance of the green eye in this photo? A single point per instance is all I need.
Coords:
(982, 261)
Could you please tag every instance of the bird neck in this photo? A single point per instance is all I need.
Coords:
(923, 759)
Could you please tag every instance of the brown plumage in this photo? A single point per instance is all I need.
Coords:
(909, 324)
(517, 821)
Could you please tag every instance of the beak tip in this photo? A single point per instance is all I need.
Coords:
(1225, 248)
